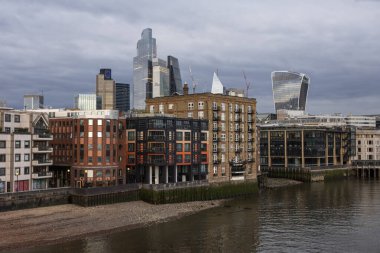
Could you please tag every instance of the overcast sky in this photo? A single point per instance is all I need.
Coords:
(58, 47)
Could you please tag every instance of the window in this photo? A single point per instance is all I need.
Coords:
(99, 159)
(90, 159)
(99, 134)
(200, 105)
(99, 147)
(2, 158)
(3, 144)
(161, 108)
(179, 158)
(223, 105)
(131, 147)
(100, 122)
(27, 144)
(17, 157)
(214, 106)
(131, 136)
(223, 171)
(190, 106)
(190, 114)
(26, 171)
(187, 136)
(2, 171)
(89, 134)
(187, 158)
(7, 118)
(179, 147)
(187, 147)
(26, 157)
(215, 170)
(90, 146)
(17, 144)
(222, 116)
(17, 118)
(179, 136)
(151, 109)
(171, 106)
(90, 122)
(201, 115)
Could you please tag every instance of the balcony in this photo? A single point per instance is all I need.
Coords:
(43, 137)
(41, 175)
(156, 138)
(157, 150)
(42, 149)
(42, 162)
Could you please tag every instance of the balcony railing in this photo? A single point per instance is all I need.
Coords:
(157, 150)
(157, 161)
(42, 149)
(156, 138)
(42, 162)
(42, 136)
(41, 175)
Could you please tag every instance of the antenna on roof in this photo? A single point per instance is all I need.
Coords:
(194, 84)
(247, 84)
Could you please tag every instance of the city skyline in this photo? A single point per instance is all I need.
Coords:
(63, 46)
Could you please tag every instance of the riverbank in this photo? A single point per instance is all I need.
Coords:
(281, 182)
(48, 225)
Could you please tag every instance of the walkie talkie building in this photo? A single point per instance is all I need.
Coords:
(289, 90)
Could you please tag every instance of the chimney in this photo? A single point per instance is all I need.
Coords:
(185, 89)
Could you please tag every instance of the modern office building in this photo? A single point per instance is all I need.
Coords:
(123, 97)
(289, 146)
(24, 151)
(232, 152)
(160, 78)
(105, 88)
(160, 148)
(174, 76)
(87, 102)
(142, 68)
(289, 90)
(32, 102)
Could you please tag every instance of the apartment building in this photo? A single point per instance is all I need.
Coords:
(231, 123)
(368, 144)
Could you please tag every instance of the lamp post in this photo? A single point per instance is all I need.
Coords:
(17, 173)
(68, 177)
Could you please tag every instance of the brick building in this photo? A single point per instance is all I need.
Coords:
(232, 154)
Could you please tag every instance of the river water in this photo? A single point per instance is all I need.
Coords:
(339, 216)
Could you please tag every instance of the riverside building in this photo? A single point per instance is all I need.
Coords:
(85, 148)
(289, 146)
(232, 152)
(158, 148)
(24, 151)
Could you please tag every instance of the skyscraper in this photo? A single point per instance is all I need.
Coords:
(88, 102)
(289, 90)
(142, 69)
(105, 88)
(174, 76)
(32, 102)
(123, 97)
(161, 86)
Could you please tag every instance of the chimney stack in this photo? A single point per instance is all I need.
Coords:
(185, 89)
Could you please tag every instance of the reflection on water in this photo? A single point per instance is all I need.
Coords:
(342, 216)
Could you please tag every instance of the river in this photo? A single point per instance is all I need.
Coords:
(339, 216)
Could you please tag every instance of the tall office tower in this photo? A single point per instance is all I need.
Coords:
(105, 88)
(289, 90)
(142, 69)
(87, 102)
(123, 97)
(160, 78)
(175, 76)
(32, 102)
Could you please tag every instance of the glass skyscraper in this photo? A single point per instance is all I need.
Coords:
(160, 78)
(289, 90)
(174, 76)
(142, 69)
(122, 97)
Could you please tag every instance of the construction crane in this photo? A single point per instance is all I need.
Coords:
(194, 84)
(247, 84)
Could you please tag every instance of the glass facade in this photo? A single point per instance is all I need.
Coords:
(87, 102)
(32, 102)
(142, 69)
(175, 76)
(160, 78)
(289, 90)
(122, 97)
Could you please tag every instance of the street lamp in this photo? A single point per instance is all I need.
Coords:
(68, 178)
(17, 173)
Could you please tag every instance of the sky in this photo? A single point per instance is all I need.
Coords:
(57, 47)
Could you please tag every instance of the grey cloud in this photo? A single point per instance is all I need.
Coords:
(59, 46)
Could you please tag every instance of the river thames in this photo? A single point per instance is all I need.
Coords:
(338, 216)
